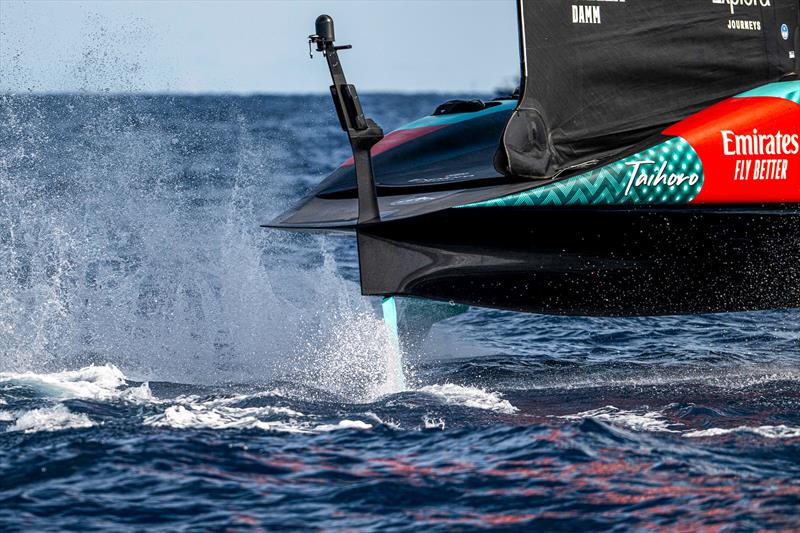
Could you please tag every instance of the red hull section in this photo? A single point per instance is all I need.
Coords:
(749, 148)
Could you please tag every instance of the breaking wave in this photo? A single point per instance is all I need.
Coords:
(472, 397)
(49, 419)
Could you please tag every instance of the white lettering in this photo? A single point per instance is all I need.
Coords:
(758, 144)
(586, 14)
(745, 3)
(640, 178)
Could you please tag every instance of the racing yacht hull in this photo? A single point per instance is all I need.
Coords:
(584, 261)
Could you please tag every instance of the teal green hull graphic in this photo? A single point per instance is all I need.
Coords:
(611, 184)
(446, 120)
(669, 173)
(788, 90)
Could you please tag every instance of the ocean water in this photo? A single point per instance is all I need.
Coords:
(166, 363)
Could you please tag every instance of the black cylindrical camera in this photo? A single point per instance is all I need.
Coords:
(324, 30)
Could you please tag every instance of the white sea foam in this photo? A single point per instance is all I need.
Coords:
(470, 397)
(223, 413)
(429, 422)
(770, 432)
(210, 416)
(654, 421)
(198, 416)
(637, 421)
(382, 422)
(343, 424)
(6, 416)
(140, 394)
(104, 382)
(230, 403)
(50, 419)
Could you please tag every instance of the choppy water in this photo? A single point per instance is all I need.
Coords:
(165, 362)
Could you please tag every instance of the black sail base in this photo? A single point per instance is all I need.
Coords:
(609, 261)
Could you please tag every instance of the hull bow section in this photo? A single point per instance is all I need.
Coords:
(590, 261)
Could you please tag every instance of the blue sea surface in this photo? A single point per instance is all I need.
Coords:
(168, 364)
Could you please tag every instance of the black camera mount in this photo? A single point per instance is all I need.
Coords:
(363, 132)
